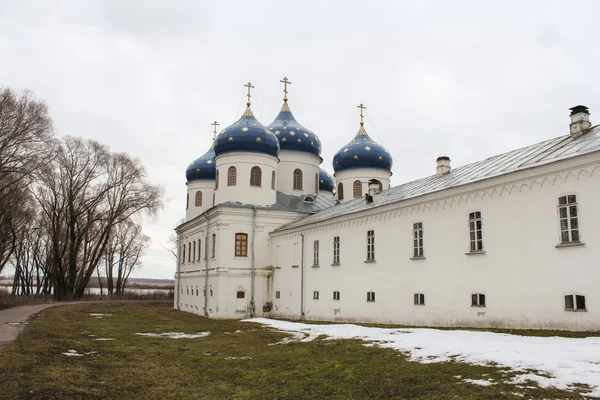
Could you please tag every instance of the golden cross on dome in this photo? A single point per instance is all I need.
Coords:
(249, 86)
(285, 82)
(215, 124)
(362, 107)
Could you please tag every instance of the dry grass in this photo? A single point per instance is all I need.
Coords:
(224, 365)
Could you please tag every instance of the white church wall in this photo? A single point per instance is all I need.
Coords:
(522, 274)
(289, 161)
(364, 175)
(207, 188)
(242, 191)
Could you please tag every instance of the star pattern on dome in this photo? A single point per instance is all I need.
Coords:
(230, 139)
(346, 150)
(197, 169)
(305, 134)
(277, 133)
(380, 158)
(258, 139)
(284, 140)
(355, 157)
(209, 162)
(321, 180)
(368, 148)
(245, 129)
(292, 133)
(299, 140)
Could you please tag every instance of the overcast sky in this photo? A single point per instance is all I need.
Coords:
(467, 79)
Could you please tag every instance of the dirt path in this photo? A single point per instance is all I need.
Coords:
(14, 320)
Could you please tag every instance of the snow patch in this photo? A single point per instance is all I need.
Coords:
(103, 338)
(479, 382)
(74, 353)
(100, 315)
(562, 363)
(176, 335)
(17, 323)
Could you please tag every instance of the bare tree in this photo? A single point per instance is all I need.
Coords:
(84, 194)
(172, 241)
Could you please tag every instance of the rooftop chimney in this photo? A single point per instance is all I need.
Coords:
(443, 165)
(580, 121)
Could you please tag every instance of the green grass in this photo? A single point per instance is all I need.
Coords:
(135, 367)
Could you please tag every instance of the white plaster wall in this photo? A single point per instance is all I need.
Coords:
(288, 162)
(207, 187)
(523, 275)
(348, 176)
(242, 191)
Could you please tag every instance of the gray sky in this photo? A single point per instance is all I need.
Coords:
(468, 79)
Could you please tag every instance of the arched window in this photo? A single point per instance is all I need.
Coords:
(297, 179)
(187, 201)
(340, 191)
(273, 177)
(217, 180)
(357, 189)
(255, 176)
(379, 183)
(198, 202)
(316, 183)
(231, 176)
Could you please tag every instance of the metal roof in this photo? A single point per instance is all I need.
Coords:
(288, 202)
(542, 153)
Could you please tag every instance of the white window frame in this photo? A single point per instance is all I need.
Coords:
(475, 231)
(419, 299)
(574, 306)
(371, 245)
(568, 215)
(418, 249)
(480, 300)
(336, 250)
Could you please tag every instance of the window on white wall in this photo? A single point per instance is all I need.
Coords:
(297, 181)
(277, 294)
(569, 219)
(316, 253)
(575, 302)
(475, 231)
(336, 295)
(371, 245)
(419, 299)
(370, 296)
(183, 258)
(477, 300)
(336, 250)
(296, 255)
(316, 295)
(241, 294)
(418, 240)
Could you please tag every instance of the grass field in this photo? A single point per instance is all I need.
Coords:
(236, 361)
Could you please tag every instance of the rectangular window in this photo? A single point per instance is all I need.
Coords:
(199, 249)
(336, 250)
(569, 219)
(477, 300)
(187, 289)
(189, 252)
(316, 253)
(336, 295)
(316, 295)
(194, 257)
(475, 231)
(575, 302)
(241, 245)
(277, 294)
(419, 299)
(197, 291)
(214, 244)
(241, 294)
(370, 296)
(418, 240)
(371, 246)
(183, 258)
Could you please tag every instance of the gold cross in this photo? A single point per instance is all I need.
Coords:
(362, 107)
(285, 82)
(215, 124)
(249, 86)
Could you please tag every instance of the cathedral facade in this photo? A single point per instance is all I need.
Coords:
(510, 241)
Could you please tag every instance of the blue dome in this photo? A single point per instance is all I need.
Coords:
(362, 152)
(326, 183)
(292, 135)
(247, 134)
(202, 168)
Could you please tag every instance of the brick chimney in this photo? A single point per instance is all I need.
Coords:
(580, 121)
(443, 165)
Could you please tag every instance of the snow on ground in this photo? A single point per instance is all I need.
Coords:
(479, 382)
(176, 335)
(560, 362)
(74, 353)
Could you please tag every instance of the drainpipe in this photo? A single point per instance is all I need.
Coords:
(253, 270)
(206, 260)
(302, 278)
(178, 272)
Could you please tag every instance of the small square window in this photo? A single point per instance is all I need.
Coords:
(316, 295)
(575, 302)
(277, 294)
(241, 294)
(336, 295)
(370, 296)
(419, 299)
(477, 300)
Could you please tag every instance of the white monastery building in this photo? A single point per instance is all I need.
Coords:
(509, 241)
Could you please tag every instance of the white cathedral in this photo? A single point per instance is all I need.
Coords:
(512, 241)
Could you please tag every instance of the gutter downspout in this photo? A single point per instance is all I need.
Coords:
(302, 278)
(178, 272)
(206, 261)
(253, 270)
